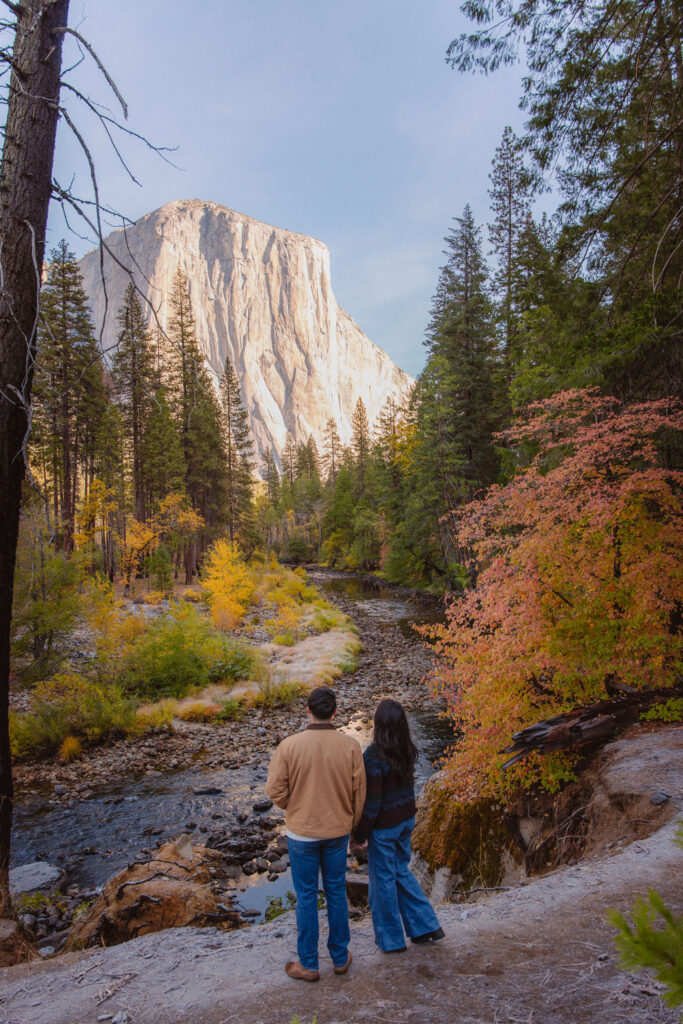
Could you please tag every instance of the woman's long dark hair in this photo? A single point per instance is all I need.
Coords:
(392, 736)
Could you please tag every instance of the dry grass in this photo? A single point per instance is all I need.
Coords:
(71, 749)
(316, 660)
(156, 716)
(199, 711)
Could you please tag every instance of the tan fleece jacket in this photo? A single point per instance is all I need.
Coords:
(318, 776)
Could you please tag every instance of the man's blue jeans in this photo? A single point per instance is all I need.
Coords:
(307, 860)
(396, 899)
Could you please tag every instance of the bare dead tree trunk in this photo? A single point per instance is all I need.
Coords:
(25, 186)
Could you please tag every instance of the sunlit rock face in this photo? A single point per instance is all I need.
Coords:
(261, 296)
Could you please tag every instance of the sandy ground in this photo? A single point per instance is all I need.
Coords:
(542, 953)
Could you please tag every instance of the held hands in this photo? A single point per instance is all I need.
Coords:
(353, 845)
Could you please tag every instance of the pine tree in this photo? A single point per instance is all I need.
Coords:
(331, 450)
(272, 477)
(162, 455)
(198, 415)
(110, 469)
(133, 377)
(289, 458)
(239, 448)
(389, 455)
(510, 193)
(603, 104)
(360, 443)
(69, 393)
(464, 381)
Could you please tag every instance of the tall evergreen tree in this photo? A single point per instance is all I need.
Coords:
(69, 393)
(510, 192)
(239, 448)
(331, 450)
(604, 96)
(289, 457)
(162, 454)
(360, 443)
(198, 415)
(465, 383)
(133, 376)
(272, 477)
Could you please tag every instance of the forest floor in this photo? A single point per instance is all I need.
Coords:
(539, 953)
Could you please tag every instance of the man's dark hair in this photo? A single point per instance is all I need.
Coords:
(322, 702)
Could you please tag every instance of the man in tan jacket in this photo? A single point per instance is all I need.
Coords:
(318, 777)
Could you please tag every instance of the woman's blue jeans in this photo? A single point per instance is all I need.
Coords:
(307, 860)
(396, 899)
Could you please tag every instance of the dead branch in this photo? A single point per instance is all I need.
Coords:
(110, 81)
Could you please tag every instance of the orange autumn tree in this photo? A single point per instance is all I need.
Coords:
(577, 581)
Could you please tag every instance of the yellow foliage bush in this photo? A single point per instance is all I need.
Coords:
(286, 627)
(193, 596)
(71, 749)
(228, 584)
(114, 628)
(154, 597)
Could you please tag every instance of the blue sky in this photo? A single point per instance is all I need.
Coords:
(338, 119)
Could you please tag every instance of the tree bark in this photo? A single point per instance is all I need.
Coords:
(25, 186)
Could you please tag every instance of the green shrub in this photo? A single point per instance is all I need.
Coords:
(668, 711)
(659, 948)
(653, 940)
(236, 663)
(326, 619)
(231, 710)
(182, 651)
(70, 705)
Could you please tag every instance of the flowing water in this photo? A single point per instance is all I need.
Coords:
(95, 837)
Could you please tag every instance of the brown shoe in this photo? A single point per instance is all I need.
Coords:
(344, 967)
(295, 970)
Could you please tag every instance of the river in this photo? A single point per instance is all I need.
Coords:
(124, 817)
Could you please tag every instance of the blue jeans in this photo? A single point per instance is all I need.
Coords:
(307, 860)
(396, 899)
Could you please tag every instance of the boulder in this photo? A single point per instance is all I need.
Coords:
(39, 876)
(171, 890)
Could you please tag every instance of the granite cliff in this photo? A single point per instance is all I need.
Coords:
(263, 297)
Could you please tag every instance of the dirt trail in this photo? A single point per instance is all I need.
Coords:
(542, 953)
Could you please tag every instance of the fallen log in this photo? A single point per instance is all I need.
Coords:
(586, 723)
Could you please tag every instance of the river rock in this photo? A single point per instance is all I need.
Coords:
(357, 889)
(263, 805)
(278, 866)
(36, 877)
